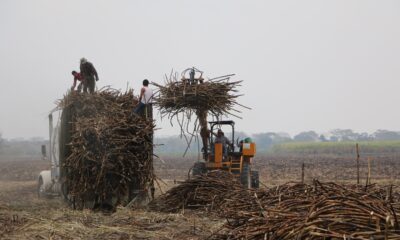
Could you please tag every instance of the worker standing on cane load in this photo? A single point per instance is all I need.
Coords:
(77, 77)
(89, 74)
(144, 106)
(192, 80)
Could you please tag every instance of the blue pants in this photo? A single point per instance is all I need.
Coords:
(139, 109)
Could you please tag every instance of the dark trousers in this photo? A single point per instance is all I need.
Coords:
(90, 84)
(145, 110)
(139, 108)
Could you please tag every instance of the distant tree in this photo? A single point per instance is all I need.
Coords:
(344, 135)
(36, 139)
(309, 136)
(322, 138)
(284, 135)
(1, 140)
(364, 137)
(266, 140)
(240, 135)
(386, 135)
(334, 139)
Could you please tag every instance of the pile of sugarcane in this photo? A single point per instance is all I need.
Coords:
(290, 211)
(216, 96)
(204, 192)
(316, 211)
(106, 151)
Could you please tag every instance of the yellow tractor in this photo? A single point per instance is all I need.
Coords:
(224, 155)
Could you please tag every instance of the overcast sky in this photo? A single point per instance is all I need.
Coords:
(306, 65)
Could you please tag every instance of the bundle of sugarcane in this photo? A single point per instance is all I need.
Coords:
(192, 102)
(106, 152)
(216, 96)
(317, 211)
(204, 192)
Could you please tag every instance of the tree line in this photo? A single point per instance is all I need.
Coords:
(175, 145)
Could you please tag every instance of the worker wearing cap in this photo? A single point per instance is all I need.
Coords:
(144, 106)
(89, 74)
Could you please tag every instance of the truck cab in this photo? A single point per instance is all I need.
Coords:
(49, 183)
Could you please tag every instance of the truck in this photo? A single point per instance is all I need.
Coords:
(53, 182)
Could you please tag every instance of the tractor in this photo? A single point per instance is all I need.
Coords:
(235, 159)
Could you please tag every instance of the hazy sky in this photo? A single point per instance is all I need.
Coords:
(306, 65)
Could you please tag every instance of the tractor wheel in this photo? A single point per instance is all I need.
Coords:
(255, 182)
(245, 175)
(198, 169)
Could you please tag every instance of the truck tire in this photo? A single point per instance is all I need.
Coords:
(255, 179)
(65, 196)
(245, 175)
(44, 188)
(41, 188)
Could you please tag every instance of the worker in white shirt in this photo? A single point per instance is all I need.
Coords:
(144, 106)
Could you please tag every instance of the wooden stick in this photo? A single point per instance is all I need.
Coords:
(369, 170)
(358, 164)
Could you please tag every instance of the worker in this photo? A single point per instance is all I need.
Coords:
(89, 74)
(220, 138)
(204, 131)
(77, 77)
(192, 80)
(241, 146)
(144, 106)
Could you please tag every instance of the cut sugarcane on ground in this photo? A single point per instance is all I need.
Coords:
(25, 216)
(289, 211)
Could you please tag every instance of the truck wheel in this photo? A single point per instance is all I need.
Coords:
(41, 190)
(245, 175)
(64, 194)
(255, 179)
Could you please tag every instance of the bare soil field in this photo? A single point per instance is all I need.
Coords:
(24, 216)
(277, 170)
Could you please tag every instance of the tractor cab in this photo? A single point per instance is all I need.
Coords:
(221, 146)
(222, 153)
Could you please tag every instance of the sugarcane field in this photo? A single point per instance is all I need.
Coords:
(200, 120)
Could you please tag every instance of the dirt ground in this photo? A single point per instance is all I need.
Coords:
(24, 216)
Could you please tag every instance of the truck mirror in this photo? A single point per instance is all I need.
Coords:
(44, 155)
